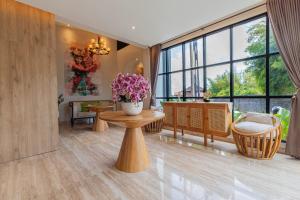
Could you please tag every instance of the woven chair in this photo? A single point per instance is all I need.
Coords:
(154, 127)
(257, 135)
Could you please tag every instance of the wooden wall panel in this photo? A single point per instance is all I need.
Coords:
(28, 81)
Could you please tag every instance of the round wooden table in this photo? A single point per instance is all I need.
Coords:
(133, 155)
(99, 125)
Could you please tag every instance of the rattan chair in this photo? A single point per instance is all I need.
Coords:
(154, 127)
(262, 143)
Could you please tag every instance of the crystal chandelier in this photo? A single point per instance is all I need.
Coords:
(98, 47)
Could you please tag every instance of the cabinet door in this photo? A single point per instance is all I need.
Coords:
(196, 117)
(182, 115)
(169, 110)
(216, 119)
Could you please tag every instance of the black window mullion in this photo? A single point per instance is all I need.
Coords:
(267, 65)
(168, 75)
(165, 75)
(249, 58)
(183, 72)
(204, 63)
(165, 61)
(231, 66)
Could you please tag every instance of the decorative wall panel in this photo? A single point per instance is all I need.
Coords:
(28, 82)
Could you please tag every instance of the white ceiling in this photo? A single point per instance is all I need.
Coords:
(156, 21)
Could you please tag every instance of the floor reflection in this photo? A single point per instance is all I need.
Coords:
(182, 168)
(197, 143)
(235, 178)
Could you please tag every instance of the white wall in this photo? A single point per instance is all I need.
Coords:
(129, 57)
(124, 61)
(66, 37)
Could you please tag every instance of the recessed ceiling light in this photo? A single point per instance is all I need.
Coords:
(68, 25)
(133, 27)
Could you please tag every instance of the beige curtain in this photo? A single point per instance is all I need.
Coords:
(154, 64)
(285, 20)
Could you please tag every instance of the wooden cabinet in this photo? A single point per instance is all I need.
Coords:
(206, 118)
(182, 116)
(218, 118)
(169, 110)
(195, 116)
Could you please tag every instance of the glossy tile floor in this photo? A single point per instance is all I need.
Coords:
(83, 168)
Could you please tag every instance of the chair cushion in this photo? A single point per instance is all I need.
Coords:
(252, 127)
(261, 118)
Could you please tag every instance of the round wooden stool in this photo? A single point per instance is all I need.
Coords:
(261, 144)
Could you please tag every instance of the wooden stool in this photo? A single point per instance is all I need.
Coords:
(154, 127)
(259, 145)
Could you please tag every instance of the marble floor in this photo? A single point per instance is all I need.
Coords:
(83, 168)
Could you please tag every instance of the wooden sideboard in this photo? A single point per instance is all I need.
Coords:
(199, 118)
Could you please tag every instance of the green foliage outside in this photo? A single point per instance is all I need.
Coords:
(252, 81)
(280, 83)
(284, 116)
(236, 114)
(220, 85)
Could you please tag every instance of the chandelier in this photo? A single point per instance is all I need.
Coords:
(98, 47)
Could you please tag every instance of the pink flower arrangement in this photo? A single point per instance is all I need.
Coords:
(130, 88)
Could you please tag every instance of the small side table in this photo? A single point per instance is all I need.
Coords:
(133, 155)
(100, 125)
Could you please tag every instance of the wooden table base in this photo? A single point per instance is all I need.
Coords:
(133, 156)
(99, 125)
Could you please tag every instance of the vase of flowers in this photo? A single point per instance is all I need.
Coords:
(130, 90)
(206, 96)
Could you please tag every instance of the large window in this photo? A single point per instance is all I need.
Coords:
(239, 63)
(217, 46)
(249, 77)
(193, 82)
(218, 80)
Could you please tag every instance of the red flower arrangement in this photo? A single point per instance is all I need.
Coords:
(83, 64)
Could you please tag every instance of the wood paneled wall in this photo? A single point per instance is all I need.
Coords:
(28, 81)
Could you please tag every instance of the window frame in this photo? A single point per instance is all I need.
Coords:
(231, 62)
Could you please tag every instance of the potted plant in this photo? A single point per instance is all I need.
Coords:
(206, 96)
(130, 90)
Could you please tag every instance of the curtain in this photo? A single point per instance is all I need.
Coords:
(285, 20)
(154, 64)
